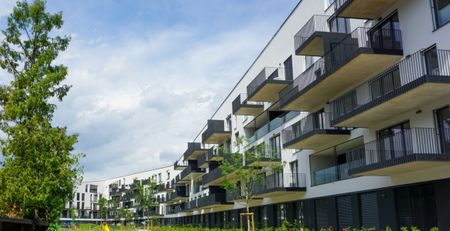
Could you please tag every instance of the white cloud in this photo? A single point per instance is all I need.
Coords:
(136, 102)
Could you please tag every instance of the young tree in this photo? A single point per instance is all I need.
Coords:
(39, 171)
(145, 196)
(244, 172)
(102, 206)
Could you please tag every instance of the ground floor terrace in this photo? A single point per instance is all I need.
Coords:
(423, 205)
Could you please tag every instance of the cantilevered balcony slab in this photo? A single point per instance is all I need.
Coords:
(216, 133)
(178, 165)
(213, 178)
(194, 151)
(409, 150)
(404, 87)
(351, 62)
(365, 9)
(280, 184)
(267, 84)
(310, 39)
(202, 162)
(191, 173)
(314, 132)
(241, 106)
(211, 201)
(178, 196)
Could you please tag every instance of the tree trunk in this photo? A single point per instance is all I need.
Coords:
(248, 212)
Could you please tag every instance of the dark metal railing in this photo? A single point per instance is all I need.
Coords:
(212, 175)
(272, 125)
(192, 147)
(318, 23)
(343, 52)
(215, 198)
(312, 122)
(278, 181)
(177, 164)
(268, 73)
(202, 160)
(241, 100)
(214, 126)
(180, 191)
(190, 169)
(406, 71)
(406, 142)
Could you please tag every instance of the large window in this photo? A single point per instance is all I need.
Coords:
(275, 146)
(441, 11)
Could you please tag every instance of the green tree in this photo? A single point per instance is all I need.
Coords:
(145, 196)
(245, 171)
(39, 171)
(102, 206)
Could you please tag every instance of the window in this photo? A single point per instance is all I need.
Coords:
(289, 75)
(82, 196)
(340, 25)
(443, 124)
(168, 175)
(159, 177)
(441, 12)
(431, 60)
(395, 141)
(275, 146)
(309, 60)
(386, 34)
(78, 196)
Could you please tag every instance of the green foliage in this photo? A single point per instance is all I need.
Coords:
(39, 171)
(102, 206)
(434, 229)
(145, 195)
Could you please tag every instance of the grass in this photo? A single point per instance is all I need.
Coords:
(89, 227)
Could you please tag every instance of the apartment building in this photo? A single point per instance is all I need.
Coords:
(120, 192)
(353, 96)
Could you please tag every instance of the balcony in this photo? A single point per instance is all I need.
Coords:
(364, 9)
(210, 201)
(313, 132)
(353, 60)
(192, 172)
(310, 39)
(267, 84)
(413, 82)
(331, 174)
(194, 151)
(213, 178)
(272, 125)
(202, 162)
(241, 106)
(279, 184)
(215, 133)
(403, 151)
(178, 196)
(262, 156)
(217, 155)
(179, 166)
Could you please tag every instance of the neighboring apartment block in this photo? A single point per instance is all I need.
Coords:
(353, 96)
(120, 192)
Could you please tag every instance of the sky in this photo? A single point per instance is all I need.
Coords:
(147, 74)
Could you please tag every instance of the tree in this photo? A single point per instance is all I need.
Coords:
(39, 171)
(145, 196)
(102, 206)
(245, 172)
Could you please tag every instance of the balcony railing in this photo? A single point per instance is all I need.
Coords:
(429, 142)
(212, 175)
(214, 126)
(387, 41)
(241, 101)
(272, 125)
(310, 123)
(280, 181)
(210, 200)
(189, 170)
(179, 166)
(331, 174)
(318, 23)
(193, 148)
(267, 74)
(407, 71)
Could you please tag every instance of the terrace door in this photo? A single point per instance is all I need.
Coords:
(443, 123)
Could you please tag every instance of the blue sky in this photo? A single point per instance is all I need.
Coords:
(147, 74)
